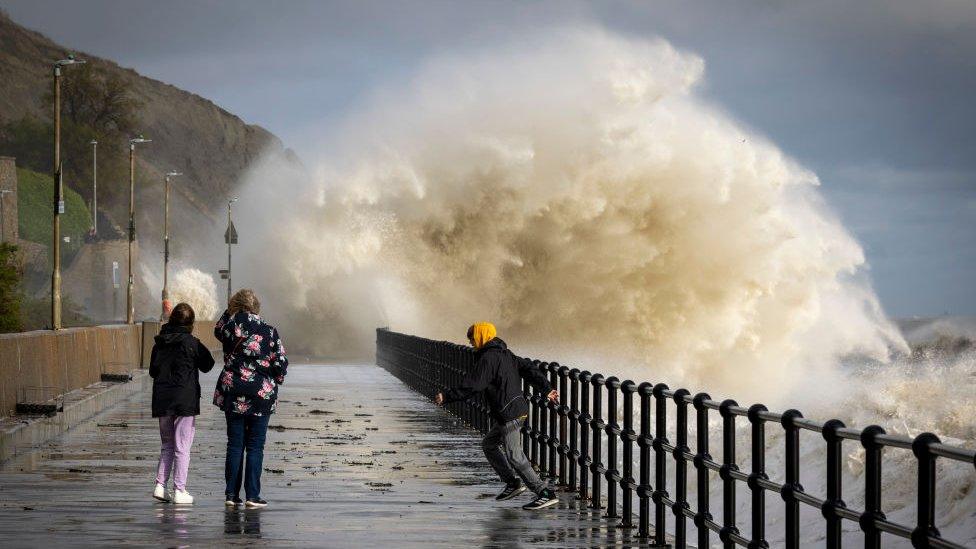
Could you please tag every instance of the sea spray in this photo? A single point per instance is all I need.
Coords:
(578, 191)
(186, 284)
(197, 288)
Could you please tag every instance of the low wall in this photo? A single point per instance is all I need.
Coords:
(65, 360)
(202, 329)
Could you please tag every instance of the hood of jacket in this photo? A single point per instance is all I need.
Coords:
(243, 324)
(494, 344)
(169, 334)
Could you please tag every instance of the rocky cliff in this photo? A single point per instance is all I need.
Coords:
(192, 134)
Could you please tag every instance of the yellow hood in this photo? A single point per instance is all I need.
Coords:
(481, 333)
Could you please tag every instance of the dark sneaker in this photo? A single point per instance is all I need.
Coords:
(253, 503)
(546, 499)
(233, 501)
(510, 491)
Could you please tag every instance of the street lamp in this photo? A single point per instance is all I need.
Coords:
(231, 238)
(58, 195)
(3, 220)
(165, 296)
(94, 144)
(130, 306)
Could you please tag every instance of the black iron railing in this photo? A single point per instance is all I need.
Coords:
(565, 441)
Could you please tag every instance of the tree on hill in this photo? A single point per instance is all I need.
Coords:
(94, 106)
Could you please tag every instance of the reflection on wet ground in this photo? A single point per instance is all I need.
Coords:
(353, 458)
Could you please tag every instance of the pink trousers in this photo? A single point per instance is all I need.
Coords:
(176, 435)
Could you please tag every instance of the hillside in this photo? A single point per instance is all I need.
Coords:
(34, 212)
(212, 147)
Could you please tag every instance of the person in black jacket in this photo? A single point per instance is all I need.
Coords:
(176, 360)
(499, 373)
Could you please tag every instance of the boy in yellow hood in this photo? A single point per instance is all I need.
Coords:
(499, 374)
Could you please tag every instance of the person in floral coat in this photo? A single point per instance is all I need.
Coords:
(255, 365)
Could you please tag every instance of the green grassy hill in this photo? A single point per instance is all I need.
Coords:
(35, 204)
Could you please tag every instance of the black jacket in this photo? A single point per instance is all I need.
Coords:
(499, 373)
(177, 358)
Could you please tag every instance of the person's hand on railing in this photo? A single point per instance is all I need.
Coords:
(553, 395)
(439, 399)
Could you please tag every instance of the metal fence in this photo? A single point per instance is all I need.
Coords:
(565, 441)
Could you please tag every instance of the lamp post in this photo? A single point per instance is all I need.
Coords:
(94, 144)
(3, 219)
(58, 195)
(129, 305)
(165, 296)
(231, 238)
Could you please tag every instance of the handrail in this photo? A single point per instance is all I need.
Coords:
(565, 441)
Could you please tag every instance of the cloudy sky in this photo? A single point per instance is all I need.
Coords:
(877, 96)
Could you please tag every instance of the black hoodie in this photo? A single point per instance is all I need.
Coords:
(177, 358)
(499, 373)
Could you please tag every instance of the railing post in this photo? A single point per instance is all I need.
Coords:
(563, 410)
(680, 469)
(792, 485)
(585, 461)
(644, 443)
(527, 425)
(872, 487)
(533, 426)
(574, 417)
(596, 501)
(553, 370)
(758, 473)
(660, 463)
(925, 528)
(725, 473)
(703, 516)
(834, 501)
(613, 433)
(627, 485)
(541, 436)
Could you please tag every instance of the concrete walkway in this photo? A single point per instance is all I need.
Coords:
(354, 458)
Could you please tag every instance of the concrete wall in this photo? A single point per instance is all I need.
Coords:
(64, 360)
(8, 182)
(202, 329)
(88, 280)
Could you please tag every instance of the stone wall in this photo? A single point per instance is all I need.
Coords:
(88, 281)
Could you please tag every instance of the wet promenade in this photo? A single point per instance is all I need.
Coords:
(354, 458)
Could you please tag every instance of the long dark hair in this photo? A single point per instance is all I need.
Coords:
(182, 315)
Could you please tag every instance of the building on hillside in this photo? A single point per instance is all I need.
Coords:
(8, 200)
(96, 279)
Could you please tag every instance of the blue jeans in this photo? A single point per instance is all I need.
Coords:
(244, 432)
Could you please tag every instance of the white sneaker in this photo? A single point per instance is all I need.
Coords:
(182, 498)
(160, 493)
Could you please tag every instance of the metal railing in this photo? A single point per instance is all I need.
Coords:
(565, 441)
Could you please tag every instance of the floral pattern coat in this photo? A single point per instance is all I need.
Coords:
(255, 365)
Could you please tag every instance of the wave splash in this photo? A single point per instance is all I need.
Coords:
(578, 191)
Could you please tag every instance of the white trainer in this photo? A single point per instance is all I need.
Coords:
(160, 494)
(182, 498)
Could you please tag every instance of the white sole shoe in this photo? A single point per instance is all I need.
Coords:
(182, 498)
(160, 494)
